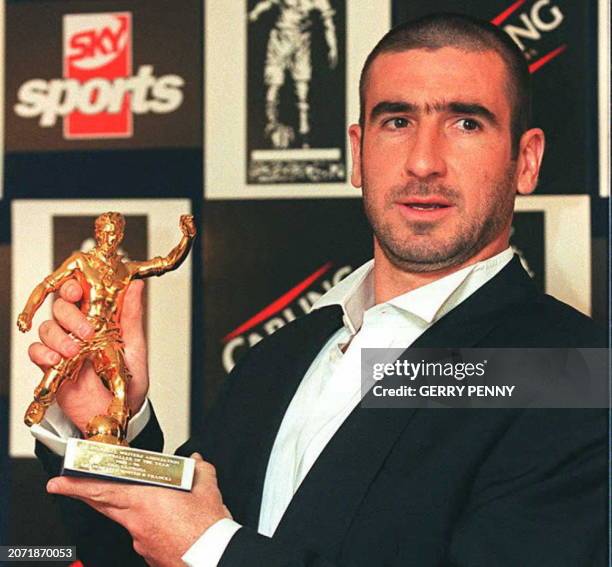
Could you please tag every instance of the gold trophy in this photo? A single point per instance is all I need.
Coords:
(105, 276)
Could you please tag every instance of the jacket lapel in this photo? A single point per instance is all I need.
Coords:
(322, 509)
(467, 324)
(290, 363)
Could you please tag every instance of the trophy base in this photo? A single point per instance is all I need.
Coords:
(127, 464)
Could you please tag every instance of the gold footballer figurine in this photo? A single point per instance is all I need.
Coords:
(104, 276)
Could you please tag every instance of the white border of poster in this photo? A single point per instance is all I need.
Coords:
(225, 88)
(567, 246)
(169, 308)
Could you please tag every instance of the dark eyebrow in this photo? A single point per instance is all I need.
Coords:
(456, 107)
(389, 107)
(474, 109)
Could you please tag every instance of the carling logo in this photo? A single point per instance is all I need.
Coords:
(527, 25)
(286, 308)
(99, 92)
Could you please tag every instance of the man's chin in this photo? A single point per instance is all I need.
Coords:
(425, 259)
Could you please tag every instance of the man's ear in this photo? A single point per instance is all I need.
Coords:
(355, 137)
(529, 160)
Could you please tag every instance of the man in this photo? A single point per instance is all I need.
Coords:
(310, 476)
(289, 50)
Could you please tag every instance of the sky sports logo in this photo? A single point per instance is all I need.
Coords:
(99, 92)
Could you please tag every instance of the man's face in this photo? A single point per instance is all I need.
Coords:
(109, 237)
(434, 156)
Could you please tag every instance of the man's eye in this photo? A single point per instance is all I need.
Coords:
(469, 124)
(397, 123)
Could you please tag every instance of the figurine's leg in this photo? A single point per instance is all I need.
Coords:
(302, 74)
(301, 90)
(111, 367)
(112, 426)
(271, 108)
(274, 77)
(44, 394)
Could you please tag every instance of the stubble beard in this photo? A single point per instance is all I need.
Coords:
(422, 254)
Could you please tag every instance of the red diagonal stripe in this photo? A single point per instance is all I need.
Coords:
(500, 18)
(279, 303)
(546, 58)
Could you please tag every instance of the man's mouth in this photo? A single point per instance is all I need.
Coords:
(425, 206)
(431, 207)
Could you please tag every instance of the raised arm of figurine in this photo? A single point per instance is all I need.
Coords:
(327, 15)
(50, 284)
(261, 7)
(158, 265)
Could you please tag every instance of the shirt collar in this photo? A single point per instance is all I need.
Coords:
(355, 293)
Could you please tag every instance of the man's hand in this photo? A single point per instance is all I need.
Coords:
(187, 224)
(86, 397)
(24, 322)
(163, 523)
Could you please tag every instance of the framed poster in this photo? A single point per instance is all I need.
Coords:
(84, 75)
(44, 232)
(276, 117)
(552, 235)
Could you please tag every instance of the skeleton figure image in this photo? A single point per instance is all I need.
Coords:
(288, 50)
(104, 276)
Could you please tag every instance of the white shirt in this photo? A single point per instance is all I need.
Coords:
(331, 388)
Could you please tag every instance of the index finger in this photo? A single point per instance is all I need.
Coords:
(71, 291)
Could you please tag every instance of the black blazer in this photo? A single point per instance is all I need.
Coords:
(404, 487)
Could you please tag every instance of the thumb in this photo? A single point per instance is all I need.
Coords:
(60, 485)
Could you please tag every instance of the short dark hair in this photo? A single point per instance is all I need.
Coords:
(471, 34)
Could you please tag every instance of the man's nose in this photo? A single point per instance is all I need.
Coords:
(425, 156)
